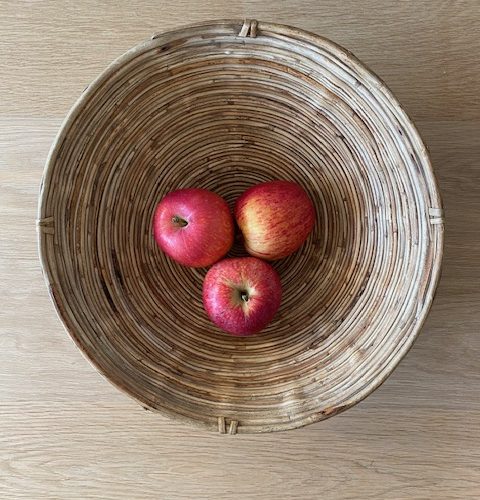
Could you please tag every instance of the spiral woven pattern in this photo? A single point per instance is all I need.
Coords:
(225, 105)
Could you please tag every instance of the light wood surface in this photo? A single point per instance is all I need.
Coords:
(65, 432)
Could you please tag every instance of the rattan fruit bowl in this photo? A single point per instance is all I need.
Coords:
(224, 105)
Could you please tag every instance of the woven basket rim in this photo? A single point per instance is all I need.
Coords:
(263, 28)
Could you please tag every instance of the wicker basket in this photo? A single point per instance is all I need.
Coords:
(224, 105)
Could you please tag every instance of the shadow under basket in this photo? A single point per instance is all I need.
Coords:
(224, 105)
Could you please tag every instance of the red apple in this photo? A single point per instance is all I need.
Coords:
(241, 295)
(275, 218)
(193, 226)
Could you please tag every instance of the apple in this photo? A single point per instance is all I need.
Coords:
(275, 218)
(193, 226)
(241, 295)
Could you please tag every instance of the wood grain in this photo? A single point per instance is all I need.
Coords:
(67, 433)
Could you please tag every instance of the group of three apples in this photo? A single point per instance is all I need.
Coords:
(195, 228)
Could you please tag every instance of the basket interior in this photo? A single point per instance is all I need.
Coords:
(203, 107)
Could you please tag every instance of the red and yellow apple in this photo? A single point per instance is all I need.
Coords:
(242, 295)
(275, 218)
(193, 226)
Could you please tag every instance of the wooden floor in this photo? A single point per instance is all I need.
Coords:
(66, 433)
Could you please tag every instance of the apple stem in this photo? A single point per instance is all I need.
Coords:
(244, 296)
(178, 221)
